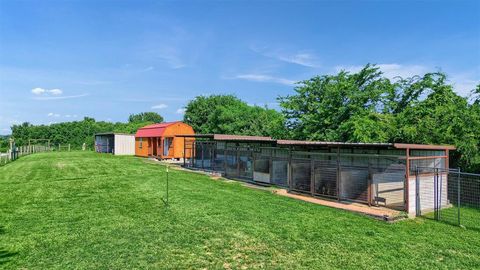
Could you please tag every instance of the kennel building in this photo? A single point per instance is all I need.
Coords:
(115, 143)
(395, 175)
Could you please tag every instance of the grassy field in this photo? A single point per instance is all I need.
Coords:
(86, 210)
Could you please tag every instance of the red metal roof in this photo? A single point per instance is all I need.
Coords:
(155, 130)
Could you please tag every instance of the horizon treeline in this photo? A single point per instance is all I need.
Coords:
(363, 106)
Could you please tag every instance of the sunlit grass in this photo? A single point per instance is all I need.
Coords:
(87, 210)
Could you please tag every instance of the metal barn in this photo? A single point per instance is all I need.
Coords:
(115, 143)
(394, 175)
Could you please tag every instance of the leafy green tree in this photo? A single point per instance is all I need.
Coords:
(145, 117)
(200, 112)
(323, 103)
(367, 107)
(226, 114)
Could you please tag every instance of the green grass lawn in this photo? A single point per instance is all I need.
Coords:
(87, 210)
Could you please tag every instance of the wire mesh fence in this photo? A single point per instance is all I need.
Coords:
(417, 181)
(448, 195)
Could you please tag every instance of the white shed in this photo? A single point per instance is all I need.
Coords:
(115, 143)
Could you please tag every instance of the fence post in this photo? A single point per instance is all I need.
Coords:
(312, 176)
(458, 196)
(68, 147)
(339, 171)
(435, 193)
(370, 181)
(418, 210)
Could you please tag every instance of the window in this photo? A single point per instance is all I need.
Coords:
(140, 143)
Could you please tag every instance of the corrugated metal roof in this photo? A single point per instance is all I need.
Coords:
(113, 133)
(225, 137)
(154, 130)
(423, 146)
(297, 142)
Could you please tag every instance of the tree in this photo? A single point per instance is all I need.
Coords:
(367, 107)
(323, 104)
(226, 114)
(75, 133)
(200, 111)
(145, 117)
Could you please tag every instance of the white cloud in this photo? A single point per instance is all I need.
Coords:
(53, 115)
(303, 58)
(160, 106)
(181, 111)
(264, 78)
(38, 91)
(462, 82)
(60, 97)
(55, 92)
(42, 91)
(148, 69)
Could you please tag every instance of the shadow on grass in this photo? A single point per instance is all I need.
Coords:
(5, 255)
(453, 222)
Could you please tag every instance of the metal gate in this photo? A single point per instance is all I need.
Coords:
(448, 195)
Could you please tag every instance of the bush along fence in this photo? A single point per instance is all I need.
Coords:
(15, 152)
(453, 195)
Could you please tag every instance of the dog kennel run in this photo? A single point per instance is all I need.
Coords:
(371, 173)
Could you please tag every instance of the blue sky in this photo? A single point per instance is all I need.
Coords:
(63, 60)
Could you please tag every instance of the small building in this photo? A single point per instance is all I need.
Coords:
(407, 177)
(160, 141)
(115, 143)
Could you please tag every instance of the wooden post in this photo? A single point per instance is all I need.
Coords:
(68, 147)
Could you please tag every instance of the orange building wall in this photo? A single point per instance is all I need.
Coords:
(177, 129)
(176, 150)
(141, 152)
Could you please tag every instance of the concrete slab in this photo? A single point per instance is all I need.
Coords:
(373, 211)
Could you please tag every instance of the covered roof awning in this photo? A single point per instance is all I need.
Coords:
(423, 146)
(239, 138)
(320, 143)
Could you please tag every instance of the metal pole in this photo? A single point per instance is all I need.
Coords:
(458, 196)
(167, 185)
(435, 190)
(440, 196)
(338, 174)
(418, 209)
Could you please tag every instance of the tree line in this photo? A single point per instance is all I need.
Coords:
(363, 106)
(77, 133)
